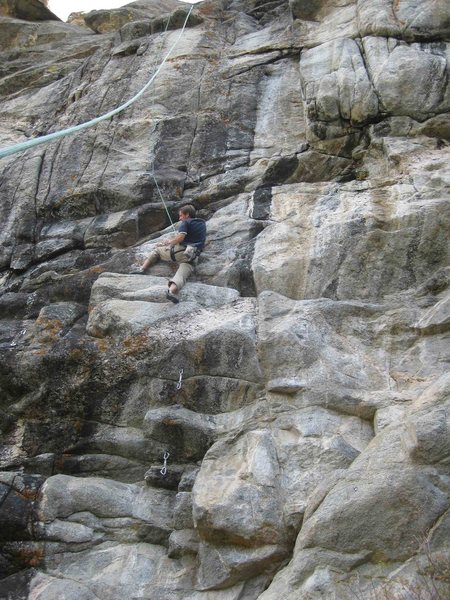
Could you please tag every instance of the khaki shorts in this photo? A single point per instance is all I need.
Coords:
(184, 270)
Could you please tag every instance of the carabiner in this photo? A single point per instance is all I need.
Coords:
(180, 380)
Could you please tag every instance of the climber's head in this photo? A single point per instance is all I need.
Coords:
(186, 212)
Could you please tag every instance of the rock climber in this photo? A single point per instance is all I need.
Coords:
(184, 249)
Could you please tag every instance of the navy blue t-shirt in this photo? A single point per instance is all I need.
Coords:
(195, 230)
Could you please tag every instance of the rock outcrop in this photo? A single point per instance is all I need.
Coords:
(283, 432)
(29, 10)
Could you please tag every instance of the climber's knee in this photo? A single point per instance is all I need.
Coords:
(181, 276)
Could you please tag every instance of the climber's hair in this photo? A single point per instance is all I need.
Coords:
(189, 210)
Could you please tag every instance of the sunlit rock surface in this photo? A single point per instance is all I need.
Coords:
(283, 432)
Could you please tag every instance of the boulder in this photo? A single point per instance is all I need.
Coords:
(277, 470)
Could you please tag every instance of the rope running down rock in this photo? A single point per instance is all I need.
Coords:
(8, 150)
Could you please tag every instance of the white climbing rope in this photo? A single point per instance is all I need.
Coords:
(151, 173)
(8, 150)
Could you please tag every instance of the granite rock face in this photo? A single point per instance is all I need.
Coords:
(28, 10)
(282, 432)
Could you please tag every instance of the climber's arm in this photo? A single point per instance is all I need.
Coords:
(173, 241)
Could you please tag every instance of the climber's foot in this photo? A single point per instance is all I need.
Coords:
(172, 297)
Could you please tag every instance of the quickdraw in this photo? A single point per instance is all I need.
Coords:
(163, 471)
(180, 380)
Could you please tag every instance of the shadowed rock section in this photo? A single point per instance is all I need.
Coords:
(282, 432)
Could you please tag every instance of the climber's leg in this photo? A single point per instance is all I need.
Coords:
(181, 276)
(178, 280)
(151, 259)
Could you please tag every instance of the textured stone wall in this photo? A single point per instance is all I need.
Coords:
(299, 391)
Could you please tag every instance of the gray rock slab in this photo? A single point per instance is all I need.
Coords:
(423, 489)
(63, 496)
(105, 571)
(238, 484)
(109, 466)
(209, 394)
(147, 288)
(31, 11)
(406, 19)
(417, 490)
(311, 236)
(335, 83)
(284, 385)
(283, 122)
(102, 21)
(126, 442)
(303, 341)
(423, 63)
(333, 21)
(64, 312)
(45, 587)
(187, 435)
(320, 566)
(168, 480)
(182, 511)
(182, 542)
(121, 317)
(222, 566)
(276, 469)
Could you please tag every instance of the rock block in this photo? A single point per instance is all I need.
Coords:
(187, 435)
(335, 83)
(182, 543)
(409, 20)
(222, 566)
(169, 481)
(393, 66)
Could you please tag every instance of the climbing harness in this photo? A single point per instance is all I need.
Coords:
(8, 150)
(180, 380)
(173, 252)
(163, 471)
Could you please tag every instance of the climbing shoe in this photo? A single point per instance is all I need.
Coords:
(137, 272)
(172, 297)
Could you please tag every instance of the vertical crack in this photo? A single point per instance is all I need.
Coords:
(362, 50)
